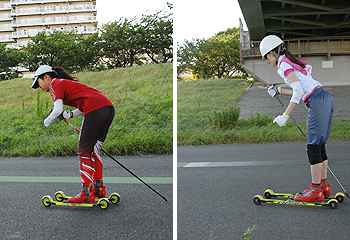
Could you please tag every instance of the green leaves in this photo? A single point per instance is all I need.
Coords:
(66, 49)
(128, 40)
(9, 58)
(216, 57)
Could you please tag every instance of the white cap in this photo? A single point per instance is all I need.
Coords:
(269, 43)
(41, 70)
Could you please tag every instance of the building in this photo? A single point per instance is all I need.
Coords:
(22, 19)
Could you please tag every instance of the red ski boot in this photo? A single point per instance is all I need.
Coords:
(314, 194)
(100, 189)
(326, 188)
(86, 195)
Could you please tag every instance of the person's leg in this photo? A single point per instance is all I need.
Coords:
(319, 121)
(103, 118)
(85, 163)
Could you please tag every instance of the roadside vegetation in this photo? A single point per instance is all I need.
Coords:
(142, 97)
(208, 114)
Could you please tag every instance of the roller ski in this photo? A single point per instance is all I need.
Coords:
(98, 192)
(312, 197)
(332, 203)
(268, 194)
(90, 196)
(103, 203)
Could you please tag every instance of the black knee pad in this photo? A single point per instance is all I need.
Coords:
(323, 152)
(314, 154)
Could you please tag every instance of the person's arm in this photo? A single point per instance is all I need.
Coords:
(296, 92)
(57, 110)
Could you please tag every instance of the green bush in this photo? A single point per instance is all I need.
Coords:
(258, 120)
(226, 119)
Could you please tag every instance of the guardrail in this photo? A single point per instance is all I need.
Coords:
(303, 47)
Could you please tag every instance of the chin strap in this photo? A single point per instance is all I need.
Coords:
(280, 47)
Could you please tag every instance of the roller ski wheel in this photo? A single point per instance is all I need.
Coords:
(47, 201)
(114, 198)
(332, 203)
(258, 199)
(103, 203)
(270, 194)
(60, 196)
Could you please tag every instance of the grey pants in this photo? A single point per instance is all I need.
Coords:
(319, 117)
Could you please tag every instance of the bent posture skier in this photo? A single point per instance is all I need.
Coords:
(98, 115)
(297, 75)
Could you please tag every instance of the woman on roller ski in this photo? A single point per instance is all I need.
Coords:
(297, 75)
(98, 114)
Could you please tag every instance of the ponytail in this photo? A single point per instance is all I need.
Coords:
(61, 73)
(293, 59)
(290, 56)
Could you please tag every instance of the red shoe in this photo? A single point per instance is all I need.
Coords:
(314, 194)
(86, 195)
(100, 189)
(326, 188)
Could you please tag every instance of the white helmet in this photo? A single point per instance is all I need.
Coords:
(41, 70)
(269, 43)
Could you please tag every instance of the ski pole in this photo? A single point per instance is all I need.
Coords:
(329, 169)
(76, 129)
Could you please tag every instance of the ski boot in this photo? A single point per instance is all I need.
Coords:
(100, 189)
(326, 188)
(86, 195)
(314, 194)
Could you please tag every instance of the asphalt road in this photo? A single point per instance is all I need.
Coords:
(141, 214)
(216, 185)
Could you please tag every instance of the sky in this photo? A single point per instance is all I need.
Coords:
(192, 18)
(112, 10)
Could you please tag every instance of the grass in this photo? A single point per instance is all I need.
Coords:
(142, 97)
(199, 101)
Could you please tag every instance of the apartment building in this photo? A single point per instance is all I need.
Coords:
(22, 19)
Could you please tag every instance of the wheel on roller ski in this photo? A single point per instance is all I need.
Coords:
(60, 196)
(332, 204)
(257, 200)
(47, 200)
(340, 198)
(268, 193)
(114, 198)
(103, 203)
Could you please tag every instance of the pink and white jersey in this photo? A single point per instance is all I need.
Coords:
(309, 85)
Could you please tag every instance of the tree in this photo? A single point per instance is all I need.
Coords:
(128, 40)
(190, 57)
(159, 41)
(216, 57)
(66, 49)
(10, 58)
(122, 41)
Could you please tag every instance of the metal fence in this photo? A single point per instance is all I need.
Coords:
(303, 47)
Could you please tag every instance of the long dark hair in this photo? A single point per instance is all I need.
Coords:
(60, 73)
(290, 56)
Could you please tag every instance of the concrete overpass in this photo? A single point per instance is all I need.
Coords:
(318, 31)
